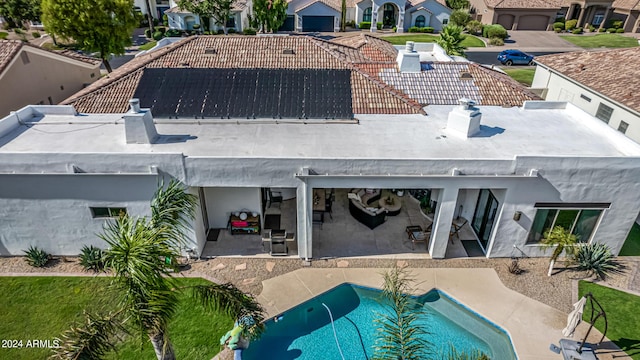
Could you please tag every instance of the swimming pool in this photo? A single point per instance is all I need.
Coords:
(305, 331)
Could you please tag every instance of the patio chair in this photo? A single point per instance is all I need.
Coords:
(275, 197)
(278, 243)
(455, 230)
(266, 238)
(417, 234)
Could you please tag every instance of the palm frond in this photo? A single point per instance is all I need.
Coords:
(172, 208)
(561, 241)
(91, 340)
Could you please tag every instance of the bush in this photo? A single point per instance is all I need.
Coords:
(172, 33)
(196, 26)
(37, 257)
(496, 41)
(611, 30)
(619, 31)
(492, 31)
(367, 25)
(394, 29)
(560, 19)
(602, 30)
(570, 25)
(219, 31)
(592, 28)
(249, 31)
(596, 258)
(3, 35)
(460, 18)
(576, 31)
(427, 29)
(474, 27)
(91, 258)
(35, 34)
(413, 29)
(558, 25)
(155, 22)
(557, 30)
(617, 24)
(17, 31)
(350, 23)
(165, 20)
(162, 29)
(147, 33)
(157, 35)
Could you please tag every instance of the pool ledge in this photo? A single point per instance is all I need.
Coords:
(532, 325)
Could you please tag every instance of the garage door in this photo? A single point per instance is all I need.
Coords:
(289, 23)
(506, 20)
(533, 22)
(317, 23)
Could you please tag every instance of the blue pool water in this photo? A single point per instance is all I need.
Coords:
(305, 332)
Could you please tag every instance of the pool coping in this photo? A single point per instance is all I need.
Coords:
(531, 325)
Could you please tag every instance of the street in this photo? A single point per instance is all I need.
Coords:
(491, 57)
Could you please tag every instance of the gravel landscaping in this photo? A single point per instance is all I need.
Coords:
(248, 273)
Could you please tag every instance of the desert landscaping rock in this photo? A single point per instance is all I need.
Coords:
(270, 265)
(219, 266)
(343, 264)
(242, 266)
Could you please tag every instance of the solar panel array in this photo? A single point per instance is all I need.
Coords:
(246, 93)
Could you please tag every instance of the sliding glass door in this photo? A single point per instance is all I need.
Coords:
(484, 216)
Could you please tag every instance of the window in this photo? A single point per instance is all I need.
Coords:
(585, 97)
(580, 222)
(107, 212)
(445, 21)
(231, 22)
(367, 15)
(597, 19)
(604, 113)
(420, 21)
(623, 127)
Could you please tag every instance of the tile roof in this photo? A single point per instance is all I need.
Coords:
(10, 48)
(418, 2)
(369, 46)
(613, 73)
(334, 4)
(524, 4)
(369, 95)
(626, 4)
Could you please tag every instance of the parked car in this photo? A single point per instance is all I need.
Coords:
(510, 57)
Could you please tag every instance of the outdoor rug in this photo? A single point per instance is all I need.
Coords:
(472, 248)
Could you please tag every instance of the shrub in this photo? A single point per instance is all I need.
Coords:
(576, 31)
(172, 33)
(365, 25)
(620, 31)
(394, 29)
(232, 31)
(155, 22)
(460, 18)
(570, 24)
(165, 20)
(196, 26)
(611, 30)
(157, 35)
(36, 257)
(558, 25)
(557, 30)
(249, 31)
(474, 26)
(162, 29)
(427, 29)
(617, 24)
(17, 31)
(3, 35)
(560, 19)
(379, 26)
(350, 23)
(492, 31)
(602, 30)
(496, 41)
(414, 29)
(219, 31)
(91, 258)
(596, 258)
(592, 28)
(35, 34)
(147, 33)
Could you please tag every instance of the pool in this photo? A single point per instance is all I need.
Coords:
(305, 331)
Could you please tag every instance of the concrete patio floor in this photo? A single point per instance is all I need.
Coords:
(532, 325)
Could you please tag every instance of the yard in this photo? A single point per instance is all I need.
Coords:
(631, 246)
(42, 307)
(523, 76)
(469, 40)
(601, 40)
(622, 314)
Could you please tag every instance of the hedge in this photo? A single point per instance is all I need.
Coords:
(570, 24)
(415, 29)
(249, 31)
(497, 30)
(3, 35)
(367, 25)
(157, 35)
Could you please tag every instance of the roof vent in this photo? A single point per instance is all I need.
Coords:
(465, 75)
(288, 52)
(184, 64)
(210, 51)
(138, 125)
(464, 120)
(408, 60)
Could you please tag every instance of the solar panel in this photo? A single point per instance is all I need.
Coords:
(246, 93)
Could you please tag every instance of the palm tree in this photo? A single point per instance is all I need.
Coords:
(450, 39)
(561, 241)
(142, 257)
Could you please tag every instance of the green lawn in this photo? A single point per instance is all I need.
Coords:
(631, 246)
(469, 40)
(601, 40)
(42, 307)
(622, 315)
(148, 45)
(524, 76)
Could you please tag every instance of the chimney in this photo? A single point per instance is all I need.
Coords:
(138, 124)
(464, 120)
(407, 59)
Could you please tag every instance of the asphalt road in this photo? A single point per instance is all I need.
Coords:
(491, 57)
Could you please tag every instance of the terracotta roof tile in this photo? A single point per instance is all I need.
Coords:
(10, 48)
(626, 4)
(524, 4)
(417, 2)
(334, 4)
(613, 73)
(371, 47)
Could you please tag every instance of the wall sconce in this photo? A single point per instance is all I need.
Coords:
(516, 215)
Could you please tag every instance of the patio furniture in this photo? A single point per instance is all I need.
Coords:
(318, 217)
(362, 209)
(275, 197)
(455, 229)
(391, 203)
(278, 243)
(266, 238)
(417, 234)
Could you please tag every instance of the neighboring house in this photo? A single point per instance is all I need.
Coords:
(32, 75)
(157, 7)
(541, 14)
(602, 83)
(184, 20)
(234, 117)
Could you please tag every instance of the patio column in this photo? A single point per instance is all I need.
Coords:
(567, 16)
(305, 220)
(374, 17)
(580, 17)
(442, 226)
(604, 19)
(400, 26)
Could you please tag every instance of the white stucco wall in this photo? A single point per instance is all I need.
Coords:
(221, 202)
(562, 89)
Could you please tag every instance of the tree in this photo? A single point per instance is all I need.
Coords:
(218, 10)
(562, 241)
(399, 333)
(450, 40)
(103, 26)
(460, 18)
(142, 256)
(20, 11)
(458, 4)
(149, 17)
(269, 15)
(343, 16)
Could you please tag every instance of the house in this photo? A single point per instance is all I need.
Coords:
(237, 119)
(156, 7)
(32, 75)
(181, 19)
(541, 14)
(601, 83)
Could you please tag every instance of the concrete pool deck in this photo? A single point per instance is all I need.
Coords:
(532, 325)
